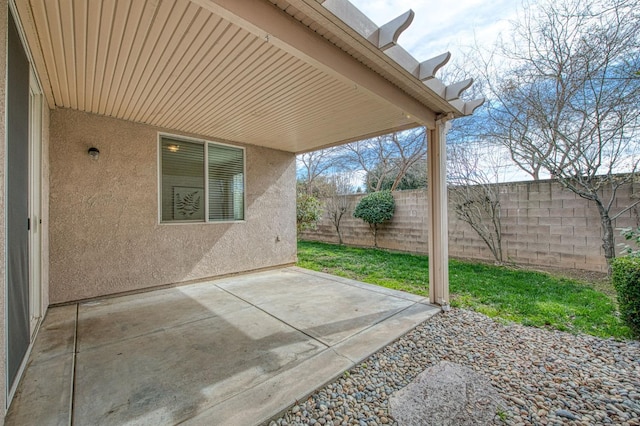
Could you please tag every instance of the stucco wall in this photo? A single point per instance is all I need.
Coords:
(3, 237)
(104, 232)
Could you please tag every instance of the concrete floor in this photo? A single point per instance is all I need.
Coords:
(235, 351)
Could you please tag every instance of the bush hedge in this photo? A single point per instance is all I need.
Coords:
(626, 280)
(374, 209)
(308, 212)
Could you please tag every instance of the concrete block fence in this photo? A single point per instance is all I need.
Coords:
(543, 224)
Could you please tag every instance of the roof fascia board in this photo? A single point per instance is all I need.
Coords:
(275, 26)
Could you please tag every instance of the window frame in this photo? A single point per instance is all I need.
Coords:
(205, 143)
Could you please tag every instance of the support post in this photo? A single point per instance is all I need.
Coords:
(437, 212)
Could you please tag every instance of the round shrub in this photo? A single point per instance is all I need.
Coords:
(374, 209)
(626, 280)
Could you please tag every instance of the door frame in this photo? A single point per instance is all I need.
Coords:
(37, 308)
(35, 205)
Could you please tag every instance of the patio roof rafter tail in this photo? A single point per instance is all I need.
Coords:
(276, 27)
(428, 68)
(453, 91)
(388, 34)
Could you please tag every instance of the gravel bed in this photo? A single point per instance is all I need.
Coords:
(546, 377)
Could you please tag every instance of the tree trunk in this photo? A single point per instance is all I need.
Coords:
(536, 174)
(608, 237)
(375, 235)
(336, 219)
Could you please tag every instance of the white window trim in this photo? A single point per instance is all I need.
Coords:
(206, 143)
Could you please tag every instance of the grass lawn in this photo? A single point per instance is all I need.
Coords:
(530, 298)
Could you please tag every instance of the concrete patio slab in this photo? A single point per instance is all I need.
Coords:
(324, 309)
(44, 394)
(131, 316)
(237, 350)
(170, 374)
(57, 335)
(381, 334)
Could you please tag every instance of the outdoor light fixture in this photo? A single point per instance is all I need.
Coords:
(94, 152)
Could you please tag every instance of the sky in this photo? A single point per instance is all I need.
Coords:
(440, 26)
(455, 26)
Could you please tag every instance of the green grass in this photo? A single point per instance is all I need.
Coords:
(530, 298)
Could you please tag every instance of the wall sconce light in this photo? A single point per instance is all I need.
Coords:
(94, 152)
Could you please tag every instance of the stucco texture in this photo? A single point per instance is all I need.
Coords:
(104, 232)
(3, 236)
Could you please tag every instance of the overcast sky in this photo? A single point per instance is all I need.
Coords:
(440, 26)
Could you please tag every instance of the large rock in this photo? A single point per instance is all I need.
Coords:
(446, 394)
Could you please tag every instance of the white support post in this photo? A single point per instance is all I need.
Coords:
(437, 211)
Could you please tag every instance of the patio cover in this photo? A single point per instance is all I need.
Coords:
(295, 75)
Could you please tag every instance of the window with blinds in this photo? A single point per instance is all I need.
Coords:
(201, 181)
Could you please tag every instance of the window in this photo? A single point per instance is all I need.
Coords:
(195, 190)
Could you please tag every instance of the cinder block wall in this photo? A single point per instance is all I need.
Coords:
(542, 224)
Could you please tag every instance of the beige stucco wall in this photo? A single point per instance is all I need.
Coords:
(104, 232)
(3, 237)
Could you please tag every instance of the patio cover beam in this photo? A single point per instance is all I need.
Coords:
(276, 27)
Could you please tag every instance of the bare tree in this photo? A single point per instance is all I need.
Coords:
(317, 164)
(569, 103)
(388, 156)
(337, 203)
(474, 170)
(367, 155)
(415, 176)
(411, 147)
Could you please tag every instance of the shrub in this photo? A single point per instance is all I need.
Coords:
(374, 209)
(308, 211)
(626, 280)
(630, 234)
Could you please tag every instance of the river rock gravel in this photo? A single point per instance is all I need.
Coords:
(546, 377)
